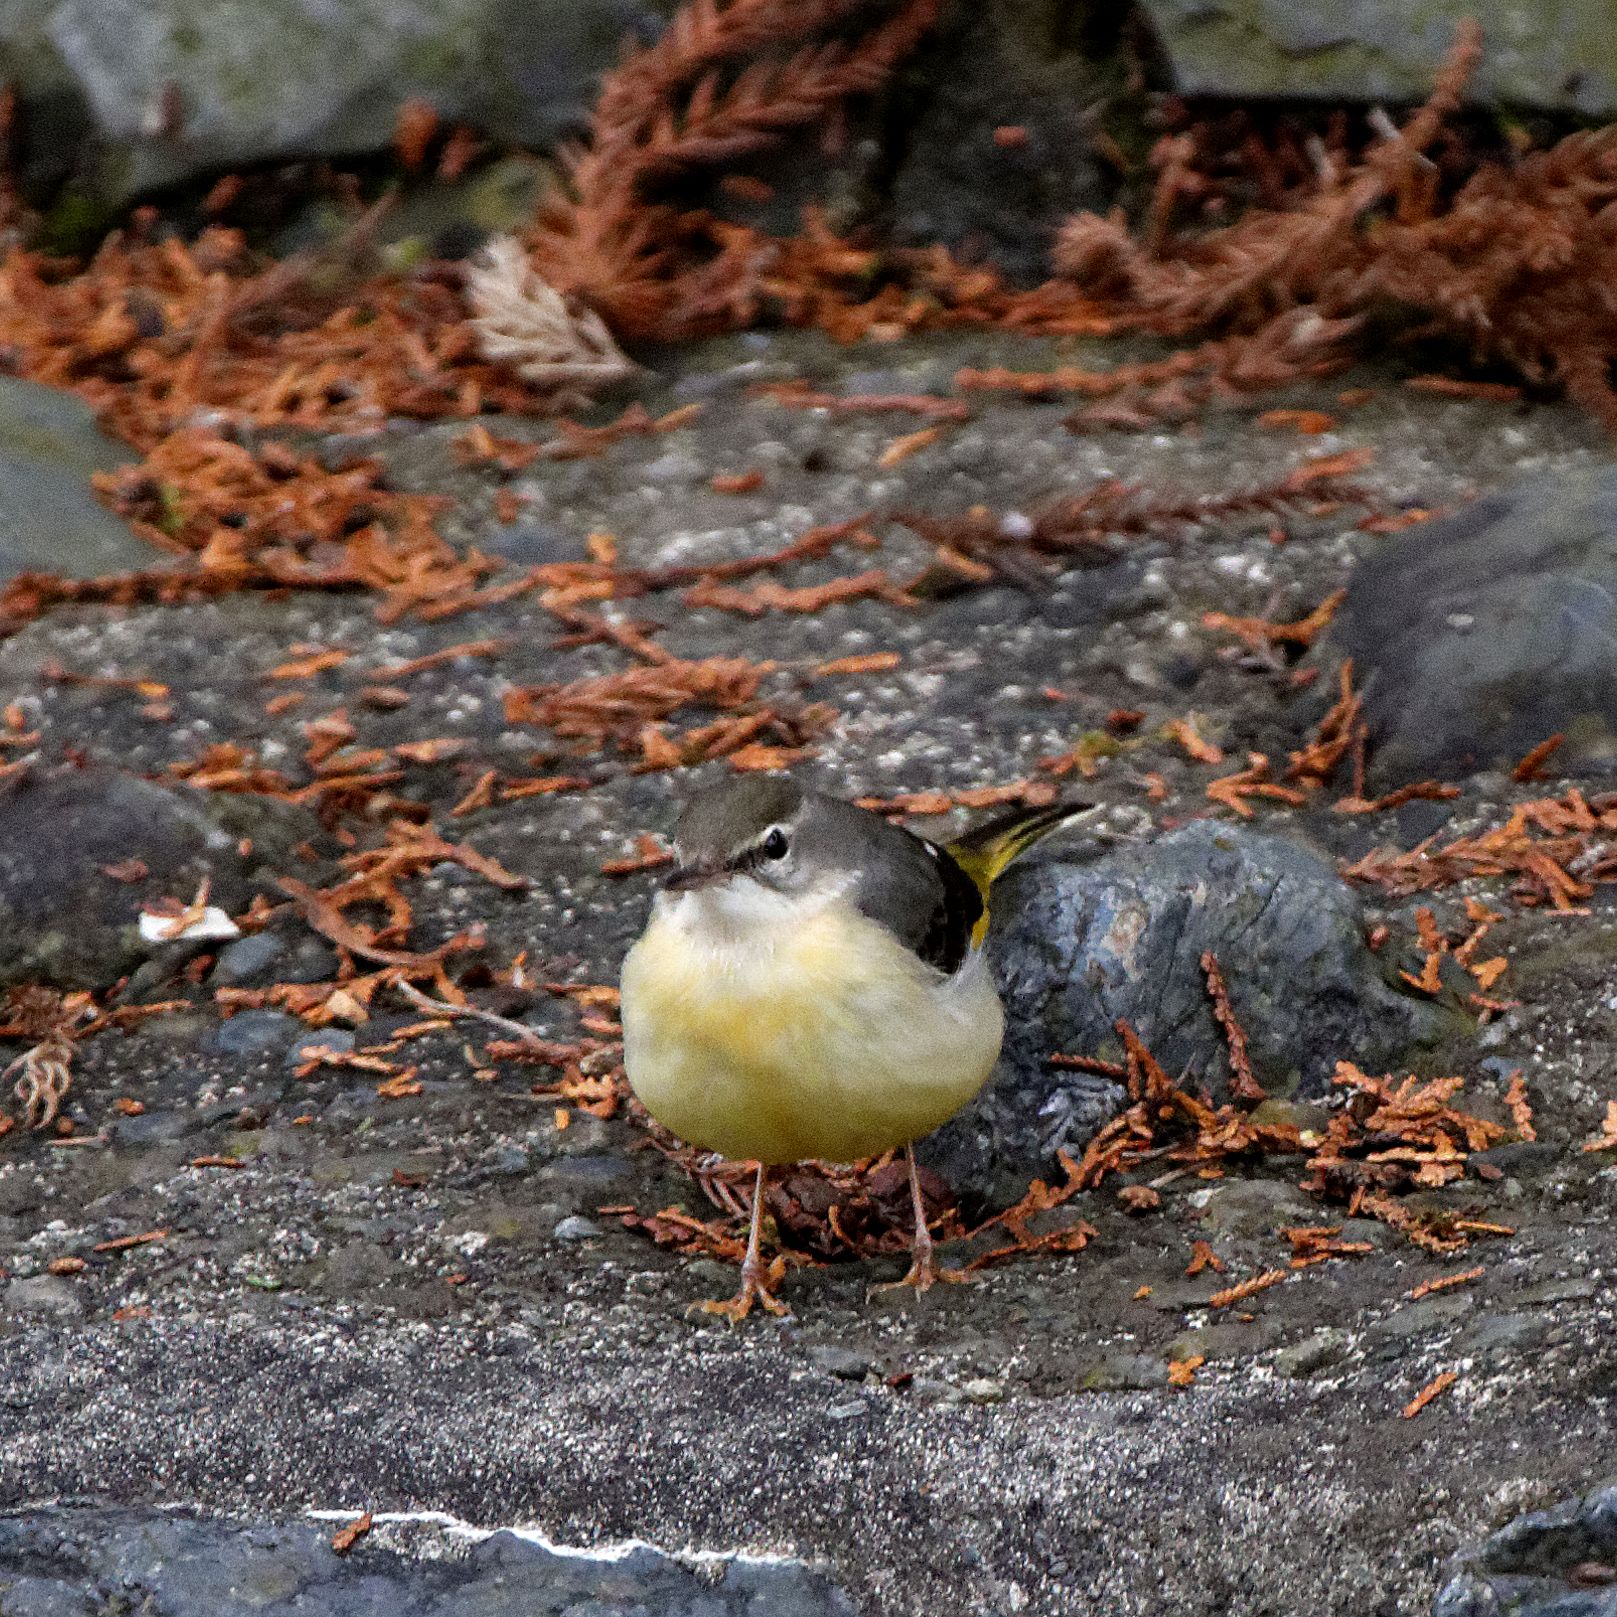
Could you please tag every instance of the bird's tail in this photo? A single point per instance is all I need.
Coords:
(985, 851)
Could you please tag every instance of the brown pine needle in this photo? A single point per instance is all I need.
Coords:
(1447, 1282)
(1247, 1288)
(1433, 1389)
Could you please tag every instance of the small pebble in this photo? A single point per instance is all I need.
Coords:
(575, 1227)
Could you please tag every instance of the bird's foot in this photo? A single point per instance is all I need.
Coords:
(757, 1286)
(925, 1272)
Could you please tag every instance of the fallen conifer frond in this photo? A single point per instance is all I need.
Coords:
(523, 322)
(1518, 263)
(713, 90)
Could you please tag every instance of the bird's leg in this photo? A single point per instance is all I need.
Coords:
(925, 1270)
(755, 1273)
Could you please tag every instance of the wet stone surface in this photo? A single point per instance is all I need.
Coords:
(55, 1560)
(1560, 1562)
(414, 1300)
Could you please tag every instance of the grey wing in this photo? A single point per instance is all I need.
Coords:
(912, 886)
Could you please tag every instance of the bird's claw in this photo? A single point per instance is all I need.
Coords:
(756, 1287)
(924, 1272)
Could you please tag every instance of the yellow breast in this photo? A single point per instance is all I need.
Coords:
(791, 1031)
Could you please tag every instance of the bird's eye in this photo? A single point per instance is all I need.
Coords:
(774, 845)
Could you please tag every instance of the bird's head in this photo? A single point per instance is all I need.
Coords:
(754, 843)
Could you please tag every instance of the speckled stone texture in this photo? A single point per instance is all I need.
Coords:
(417, 1303)
(50, 519)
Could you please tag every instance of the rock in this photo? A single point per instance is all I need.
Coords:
(1511, 1337)
(339, 1039)
(1125, 1372)
(64, 920)
(530, 541)
(575, 1227)
(274, 956)
(846, 1364)
(1078, 943)
(1385, 52)
(1255, 1207)
(42, 1294)
(1534, 1566)
(1477, 637)
(51, 1558)
(1427, 1316)
(1314, 1353)
(255, 1033)
(161, 91)
(50, 519)
(249, 961)
(1233, 1339)
(962, 178)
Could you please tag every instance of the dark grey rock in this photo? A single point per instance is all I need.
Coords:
(265, 79)
(1477, 637)
(1387, 52)
(1004, 64)
(1420, 1318)
(249, 961)
(1314, 1353)
(1504, 1336)
(50, 518)
(63, 920)
(846, 1364)
(1534, 1566)
(1079, 943)
(255, 1033)
(311, 960)
(51, 1560)
(530, 542)
(327, 1038)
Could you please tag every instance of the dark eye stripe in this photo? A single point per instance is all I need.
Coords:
(758, 854)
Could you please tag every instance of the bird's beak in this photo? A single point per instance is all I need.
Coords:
(686, 878)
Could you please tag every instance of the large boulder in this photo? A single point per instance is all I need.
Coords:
(1380, 51)
(163, 90)
(185, 1564)
(1079, 943)
(1548, 1563)
(82, 850)
(1477, 637)
(50, 519)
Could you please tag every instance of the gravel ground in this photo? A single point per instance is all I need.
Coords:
(412, 1304)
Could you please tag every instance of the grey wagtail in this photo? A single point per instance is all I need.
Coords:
(812, 984)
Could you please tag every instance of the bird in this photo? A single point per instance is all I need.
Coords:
(811, 984)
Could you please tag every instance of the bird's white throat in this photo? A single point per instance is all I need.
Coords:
(744, 910)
